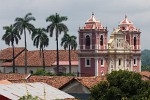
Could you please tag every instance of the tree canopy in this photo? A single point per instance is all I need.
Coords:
(58, 27)
(121, 85)
(145, 56)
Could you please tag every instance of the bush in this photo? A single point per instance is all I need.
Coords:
(41, 72)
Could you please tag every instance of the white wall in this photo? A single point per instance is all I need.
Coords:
(48, 69)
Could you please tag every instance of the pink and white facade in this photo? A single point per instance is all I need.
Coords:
(97, 56)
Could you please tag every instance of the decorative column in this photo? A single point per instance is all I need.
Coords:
(79, 68)
(96, 66)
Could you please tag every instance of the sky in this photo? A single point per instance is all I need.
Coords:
(108, 12)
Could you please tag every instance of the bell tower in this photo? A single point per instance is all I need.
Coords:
(92, 48)
(133, 38)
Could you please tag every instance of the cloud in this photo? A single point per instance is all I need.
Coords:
(110, 13)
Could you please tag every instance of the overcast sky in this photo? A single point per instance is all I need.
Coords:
(109, 12)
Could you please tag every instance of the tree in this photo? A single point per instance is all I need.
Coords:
(122, 85)
(69, 42)
(23, 24)
(41, 40)
(56, 26)
(11, 35)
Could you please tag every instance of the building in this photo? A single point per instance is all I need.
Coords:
(97, 56)
(34, 61)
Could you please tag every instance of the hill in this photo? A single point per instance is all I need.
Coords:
(145, 60)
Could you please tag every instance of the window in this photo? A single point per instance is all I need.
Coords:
(87, 40)
(119, 62)
(101, 40)
(134, 41)
(134, 62)
(87, 62)
(117, 42)
(102, 62)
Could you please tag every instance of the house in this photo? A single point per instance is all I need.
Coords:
(34, 61)
(80, 87)
(43, 91)
(97, 56)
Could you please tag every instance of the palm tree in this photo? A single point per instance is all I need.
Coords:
(11, 35)
(69, 42)
(23, 24)
(56, 26)
(41, 40)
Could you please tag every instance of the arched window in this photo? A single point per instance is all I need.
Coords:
(87, 40)
(101, 40)
(134, 41)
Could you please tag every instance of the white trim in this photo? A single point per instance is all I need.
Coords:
(79, 67)
(96, 66)
(83, 47)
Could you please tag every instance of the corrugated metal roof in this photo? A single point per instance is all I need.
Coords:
(17, 90)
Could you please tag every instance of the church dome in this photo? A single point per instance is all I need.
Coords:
(93, 23)
(127, 25)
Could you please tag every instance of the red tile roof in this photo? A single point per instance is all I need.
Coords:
(7, 53)
(61, 81)
(145, 75)
(89, 82)
(34, 58)
(13, 77)
(55, 81)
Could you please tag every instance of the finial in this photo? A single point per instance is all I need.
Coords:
(125, 16)
(92, 13)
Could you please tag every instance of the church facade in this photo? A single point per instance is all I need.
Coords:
(97, 55)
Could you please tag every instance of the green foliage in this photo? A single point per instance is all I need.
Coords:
(28, 97)
(145, 68)
(145, 60)
(22, 25)
(41, 72)
(123, 85)
(11, 36)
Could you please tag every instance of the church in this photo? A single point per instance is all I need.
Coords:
(97, 55)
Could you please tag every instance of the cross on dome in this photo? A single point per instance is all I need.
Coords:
(126, 21)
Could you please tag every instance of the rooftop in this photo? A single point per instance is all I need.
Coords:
(34, 58)
(41, 90)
